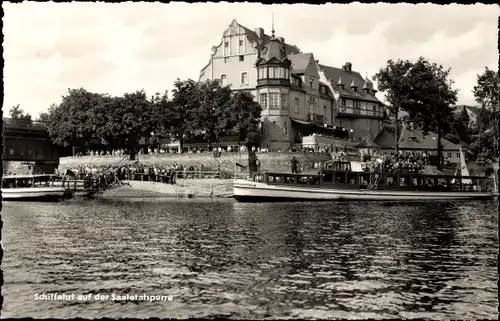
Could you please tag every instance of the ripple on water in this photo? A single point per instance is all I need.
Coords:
(234, 260)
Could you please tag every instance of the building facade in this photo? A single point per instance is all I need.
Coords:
(298, 96)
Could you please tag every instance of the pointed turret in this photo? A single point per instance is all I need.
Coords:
(340, 83)
(353, 86)
(368, 86)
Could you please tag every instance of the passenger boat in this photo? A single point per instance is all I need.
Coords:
(342, 183)
(33, 187)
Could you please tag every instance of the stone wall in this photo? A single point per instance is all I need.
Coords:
(277, 162)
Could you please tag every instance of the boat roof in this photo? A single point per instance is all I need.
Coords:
(28, 176)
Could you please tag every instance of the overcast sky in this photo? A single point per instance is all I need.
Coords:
(117, 48)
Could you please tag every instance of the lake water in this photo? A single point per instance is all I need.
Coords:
(236, 260)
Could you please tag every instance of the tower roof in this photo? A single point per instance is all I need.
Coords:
(274, 49)
(368, 84)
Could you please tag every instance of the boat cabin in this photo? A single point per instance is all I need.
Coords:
(27, 181)
(343, 178)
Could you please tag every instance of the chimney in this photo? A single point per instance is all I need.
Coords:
(260, 33)
(348, 66)
(317, 62)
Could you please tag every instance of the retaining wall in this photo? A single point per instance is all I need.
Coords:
(188, 188)
(277, 162)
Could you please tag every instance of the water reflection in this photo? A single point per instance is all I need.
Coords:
(220, 258)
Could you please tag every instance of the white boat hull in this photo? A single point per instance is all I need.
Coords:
(33, 193)
(254, 191)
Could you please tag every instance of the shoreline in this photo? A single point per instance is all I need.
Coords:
(189, 188)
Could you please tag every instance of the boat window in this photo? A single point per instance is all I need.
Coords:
(340, 178)
(390, 180)
(302, 180)
(328, 177)
(42, 181)
(352, 179)
(8, 183)
(430, 182)
(403, 181)
(24, 182)
(314, 180)
(290, 179)
(364, 179)
(442, 183)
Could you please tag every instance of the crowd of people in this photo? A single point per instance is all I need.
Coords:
(106, 174)
(197, 150)
(409, 162)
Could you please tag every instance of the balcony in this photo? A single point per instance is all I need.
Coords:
(356, 112)
(319, 119)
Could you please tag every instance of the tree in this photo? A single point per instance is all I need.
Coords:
(424, 91)
(17, 113)
(72, 122)
(186, 99)
(123, 121)
(393, 79)
(159, 114)
(211, 117)
(244, 117)
(44, 117)
(486, 91)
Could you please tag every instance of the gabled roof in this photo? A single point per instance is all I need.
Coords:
(334, 74)
(300, 62)
(252, 36)
(476, 110)
(367, 143)
(290, 49)
(412, 139)
(385, 138)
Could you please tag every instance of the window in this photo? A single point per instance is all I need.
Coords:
(448, 155)
(311, 108)
(261, 125)
(263, 101)
(226, 60)
(274, 102)
(244, 78)
(344, 102)
(297, 105)
(280, 73)
(241, 42)
(242, 58)
(284, 102)
(285, 129)
(287, 74)
(262, 73)
(223, 80)
(226, 44)
(324, 113)
(458, 155)
(274, 72)
(356, 107)
(374, 110)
